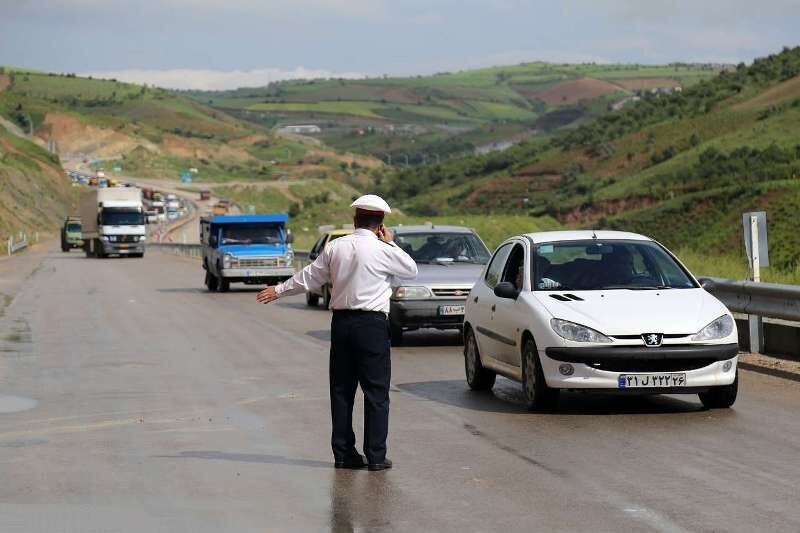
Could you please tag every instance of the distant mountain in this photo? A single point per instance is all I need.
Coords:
(424, 119)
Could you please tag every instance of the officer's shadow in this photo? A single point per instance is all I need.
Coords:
(361, 501)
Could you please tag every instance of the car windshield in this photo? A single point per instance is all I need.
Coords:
(122, 217)
(73, 227)
(607, 265)
(252, 234)
(438, 247)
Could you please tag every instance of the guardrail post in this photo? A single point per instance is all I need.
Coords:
(10, 244)
(755, 322)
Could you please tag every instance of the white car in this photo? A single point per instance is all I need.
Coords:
(603, 311)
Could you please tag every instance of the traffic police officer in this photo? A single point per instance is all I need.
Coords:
(360, 268)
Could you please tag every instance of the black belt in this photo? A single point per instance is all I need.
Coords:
(358, 312)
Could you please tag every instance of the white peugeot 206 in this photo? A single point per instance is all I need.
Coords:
(602, 311)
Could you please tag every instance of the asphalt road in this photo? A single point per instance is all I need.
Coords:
(133, 400)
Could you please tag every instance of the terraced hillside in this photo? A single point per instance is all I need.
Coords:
(421, 119)
(154, 133)
(681, 167)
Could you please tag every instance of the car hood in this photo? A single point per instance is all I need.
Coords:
(632, 312)
(459, 274)
(254, 250)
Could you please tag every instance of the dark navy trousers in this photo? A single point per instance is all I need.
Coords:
(360, 355)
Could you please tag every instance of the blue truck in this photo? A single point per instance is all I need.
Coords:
(252, 249)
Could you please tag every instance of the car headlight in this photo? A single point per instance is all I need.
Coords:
(575, 332)
(142, 237)
(411, 293)
(718, 329)
(288, 260)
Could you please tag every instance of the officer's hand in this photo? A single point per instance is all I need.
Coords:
(385, 234)
(267, 295)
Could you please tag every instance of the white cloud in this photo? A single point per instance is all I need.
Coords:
(200, 79)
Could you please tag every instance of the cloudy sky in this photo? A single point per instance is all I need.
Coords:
(229, 43)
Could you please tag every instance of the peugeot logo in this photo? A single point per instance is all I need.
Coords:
(652, 339)
(458, 292)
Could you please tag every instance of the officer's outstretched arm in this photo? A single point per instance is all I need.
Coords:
(312, 277)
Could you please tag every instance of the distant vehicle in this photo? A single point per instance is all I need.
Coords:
(450, 260)
(71, 236)
(604, 311)
(251, 249)
(312, 298)
(205, 194)
(113, 222)
(220, 208)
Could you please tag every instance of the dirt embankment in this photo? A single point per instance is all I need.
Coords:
(5, 82)
(73, 136)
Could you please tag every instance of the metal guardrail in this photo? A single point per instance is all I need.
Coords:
(17, 245)
(771, 300)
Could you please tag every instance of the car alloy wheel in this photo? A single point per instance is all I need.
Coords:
(538, 396)
(478, 377)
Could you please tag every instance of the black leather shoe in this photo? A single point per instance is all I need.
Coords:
(353, 462)
(385, 465)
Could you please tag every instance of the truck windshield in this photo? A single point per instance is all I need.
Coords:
(251, 234)
(73, 227)
(443, 247)
(607, 265)
(121, 217)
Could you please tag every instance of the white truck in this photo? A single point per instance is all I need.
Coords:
(113, 222)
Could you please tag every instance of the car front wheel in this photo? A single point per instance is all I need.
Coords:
(538, 396)
(721, 397)
(478, 378)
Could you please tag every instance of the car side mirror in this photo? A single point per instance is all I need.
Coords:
(506, 289)
(213, 240)
(289, 237)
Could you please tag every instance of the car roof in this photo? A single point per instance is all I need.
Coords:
(248, 219)
(431, 228)
(342, 231)
(584, 235)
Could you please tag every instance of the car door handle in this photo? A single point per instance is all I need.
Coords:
(494, 308)
(475, 299)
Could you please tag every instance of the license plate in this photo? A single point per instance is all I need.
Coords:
(124, 245)
(649, 381)
(449, 310)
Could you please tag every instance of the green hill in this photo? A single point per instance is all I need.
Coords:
(426, 118)
(681, 167)
(34, 193)
(155, 133)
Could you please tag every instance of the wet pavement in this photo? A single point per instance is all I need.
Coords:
(133, 400)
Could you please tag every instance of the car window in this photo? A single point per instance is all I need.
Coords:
(251, 234)
(514, 268)
(606, 264)
(434, 246)
(494, 272)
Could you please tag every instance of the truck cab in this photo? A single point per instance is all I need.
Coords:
(71, 236)
(113, 222)
(251, 249)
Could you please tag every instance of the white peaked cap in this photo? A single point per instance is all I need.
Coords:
(371, 202)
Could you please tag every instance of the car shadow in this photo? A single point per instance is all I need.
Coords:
(507, 397)
(431, 337)
(247, 458)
